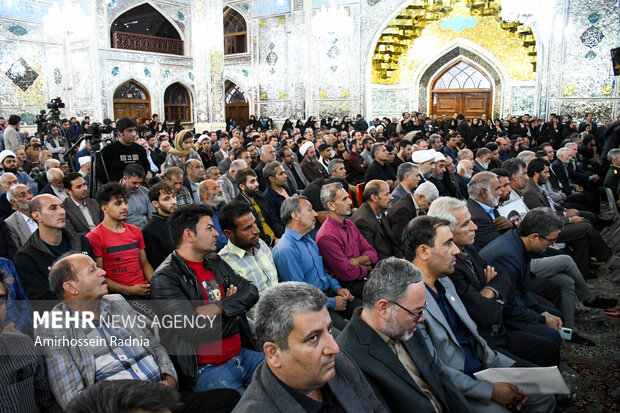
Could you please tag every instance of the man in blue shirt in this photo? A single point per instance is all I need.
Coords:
(297, 258)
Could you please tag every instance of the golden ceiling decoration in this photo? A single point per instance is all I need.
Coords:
(417, 31)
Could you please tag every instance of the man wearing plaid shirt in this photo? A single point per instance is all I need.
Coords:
(81, 285)
(247, 254)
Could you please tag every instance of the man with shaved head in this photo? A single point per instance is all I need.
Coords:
(50, 241)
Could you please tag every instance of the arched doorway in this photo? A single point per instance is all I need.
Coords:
(237, 107)
(132, 100)
(462, 88)
(177, 103)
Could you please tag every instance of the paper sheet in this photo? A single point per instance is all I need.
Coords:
(532, 380)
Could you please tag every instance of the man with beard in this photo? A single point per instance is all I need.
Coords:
(372, 222)
(8, 162)
(424, 159)
(157, 242)
(428, 243)
(295, 177)
(310, 164)
(270, 227)
(347, 254)
(267, 154)
(383, 339)
(245, 252)
(380, 167)
(140, 209)
(211, 195)
(482, 161)
(438, 171)
(118, 247)
(195, 173)
(464, 171)
(403, 155)
(83, 213)
(20, 224)
(358, 164)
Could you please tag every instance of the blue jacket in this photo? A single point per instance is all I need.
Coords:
(275, 199)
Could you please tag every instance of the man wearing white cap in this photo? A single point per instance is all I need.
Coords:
(310, 164)
(437, 173)
(8, 162)
(424, 159)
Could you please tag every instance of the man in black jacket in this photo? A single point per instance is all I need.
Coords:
(384, 341)
(194, 284)
(35, 258)
(271, 228)
(157, 242)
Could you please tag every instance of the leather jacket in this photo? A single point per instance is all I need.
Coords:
(176, 284)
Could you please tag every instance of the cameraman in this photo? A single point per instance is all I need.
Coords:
(54, 142)
(117, 155)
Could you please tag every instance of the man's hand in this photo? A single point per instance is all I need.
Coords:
(344, 293)
(354, 261)
(169, 381)
(502, 223)
(578, 188)
(506, 394)
(232, 289)
(571, 213)
(595, 177)
(142, 290)
(552, 321)
(10, 328)
(576, 219)
(490, 273)
(341, 303)
(488, 293)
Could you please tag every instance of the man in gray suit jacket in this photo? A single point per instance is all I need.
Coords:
(82, 214)
(20, 223)
(296, 178)
(449, 331)
(303, 370)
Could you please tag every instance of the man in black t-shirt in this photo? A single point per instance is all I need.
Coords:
(380, 168)
(117, 155)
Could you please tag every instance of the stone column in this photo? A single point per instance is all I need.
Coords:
(207, 49)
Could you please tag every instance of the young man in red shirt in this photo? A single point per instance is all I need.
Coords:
(119, 247)
(194, 283)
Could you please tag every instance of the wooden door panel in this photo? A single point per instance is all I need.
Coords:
(121, 110)
(475, 104)
(470, 104)
(446, 103)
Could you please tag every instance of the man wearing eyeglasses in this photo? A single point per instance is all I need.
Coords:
(450, 332)
(383, 340)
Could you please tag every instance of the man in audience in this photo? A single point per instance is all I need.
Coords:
(118, 246)
(83, 214)
(612, 179)
(212, 173)
(347, 254)
(303, 370)
(194, 282)
(117, 155)
(464, 172)
(245, 252)
(224, 146)
(7, 181)
(156, 233)
(24, 385)
(483, 290)
(380, 168)
(42, 179)
(211, 195)
(195, 174)
(438, 172)
(482, 161)
(54, 184)
(39, 170)
(50, 241)
(297, 258)
(174, 177)
(424, 159)
(140, 209)
(230, 190)
(310, 164)
(81, 286)
(465, 154)
(297, 181)
(372, 222)
(277, 185)
(385, 343)
(428, 243)
(267, 154)
(268, 223)
(408, 175)
(411, 206)
(20, 224)
(8, 162)
(358, 164)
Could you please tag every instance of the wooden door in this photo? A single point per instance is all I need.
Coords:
(131, 100)
(240, 113)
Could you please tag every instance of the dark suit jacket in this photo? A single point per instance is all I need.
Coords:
(47, 190)
(534, 198)
(7, 246)
(266, 394)
(486, 313)
(462, 185)
(381, 236)
(399, 216)
(478, 167)
(561, 174)
(75, 222)
(487, 231)
(390, 380)
(6, 210)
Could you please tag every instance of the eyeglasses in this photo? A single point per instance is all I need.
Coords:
(550, 241)
(416, 316)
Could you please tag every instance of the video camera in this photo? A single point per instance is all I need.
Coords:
(93, 134)
(45, 120)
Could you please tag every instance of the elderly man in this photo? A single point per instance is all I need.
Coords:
(482, 161)
(227, 183)
(303, 368)
(81, 286)
(384, 341)
(7, 181)
(310, 164)
(372, 222)
(50, 241)
(20, 224)
(297, 258)
(411, 206)
(428, 243)
(83, 214)
(212, 173)
(464, 172)
(54, 184)
(424, 159)
(140, 209)
(347, 254)
(267, 154)
(211, 195)
(194, 175)
(408, 175)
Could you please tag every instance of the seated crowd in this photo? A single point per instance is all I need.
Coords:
(349, 267)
